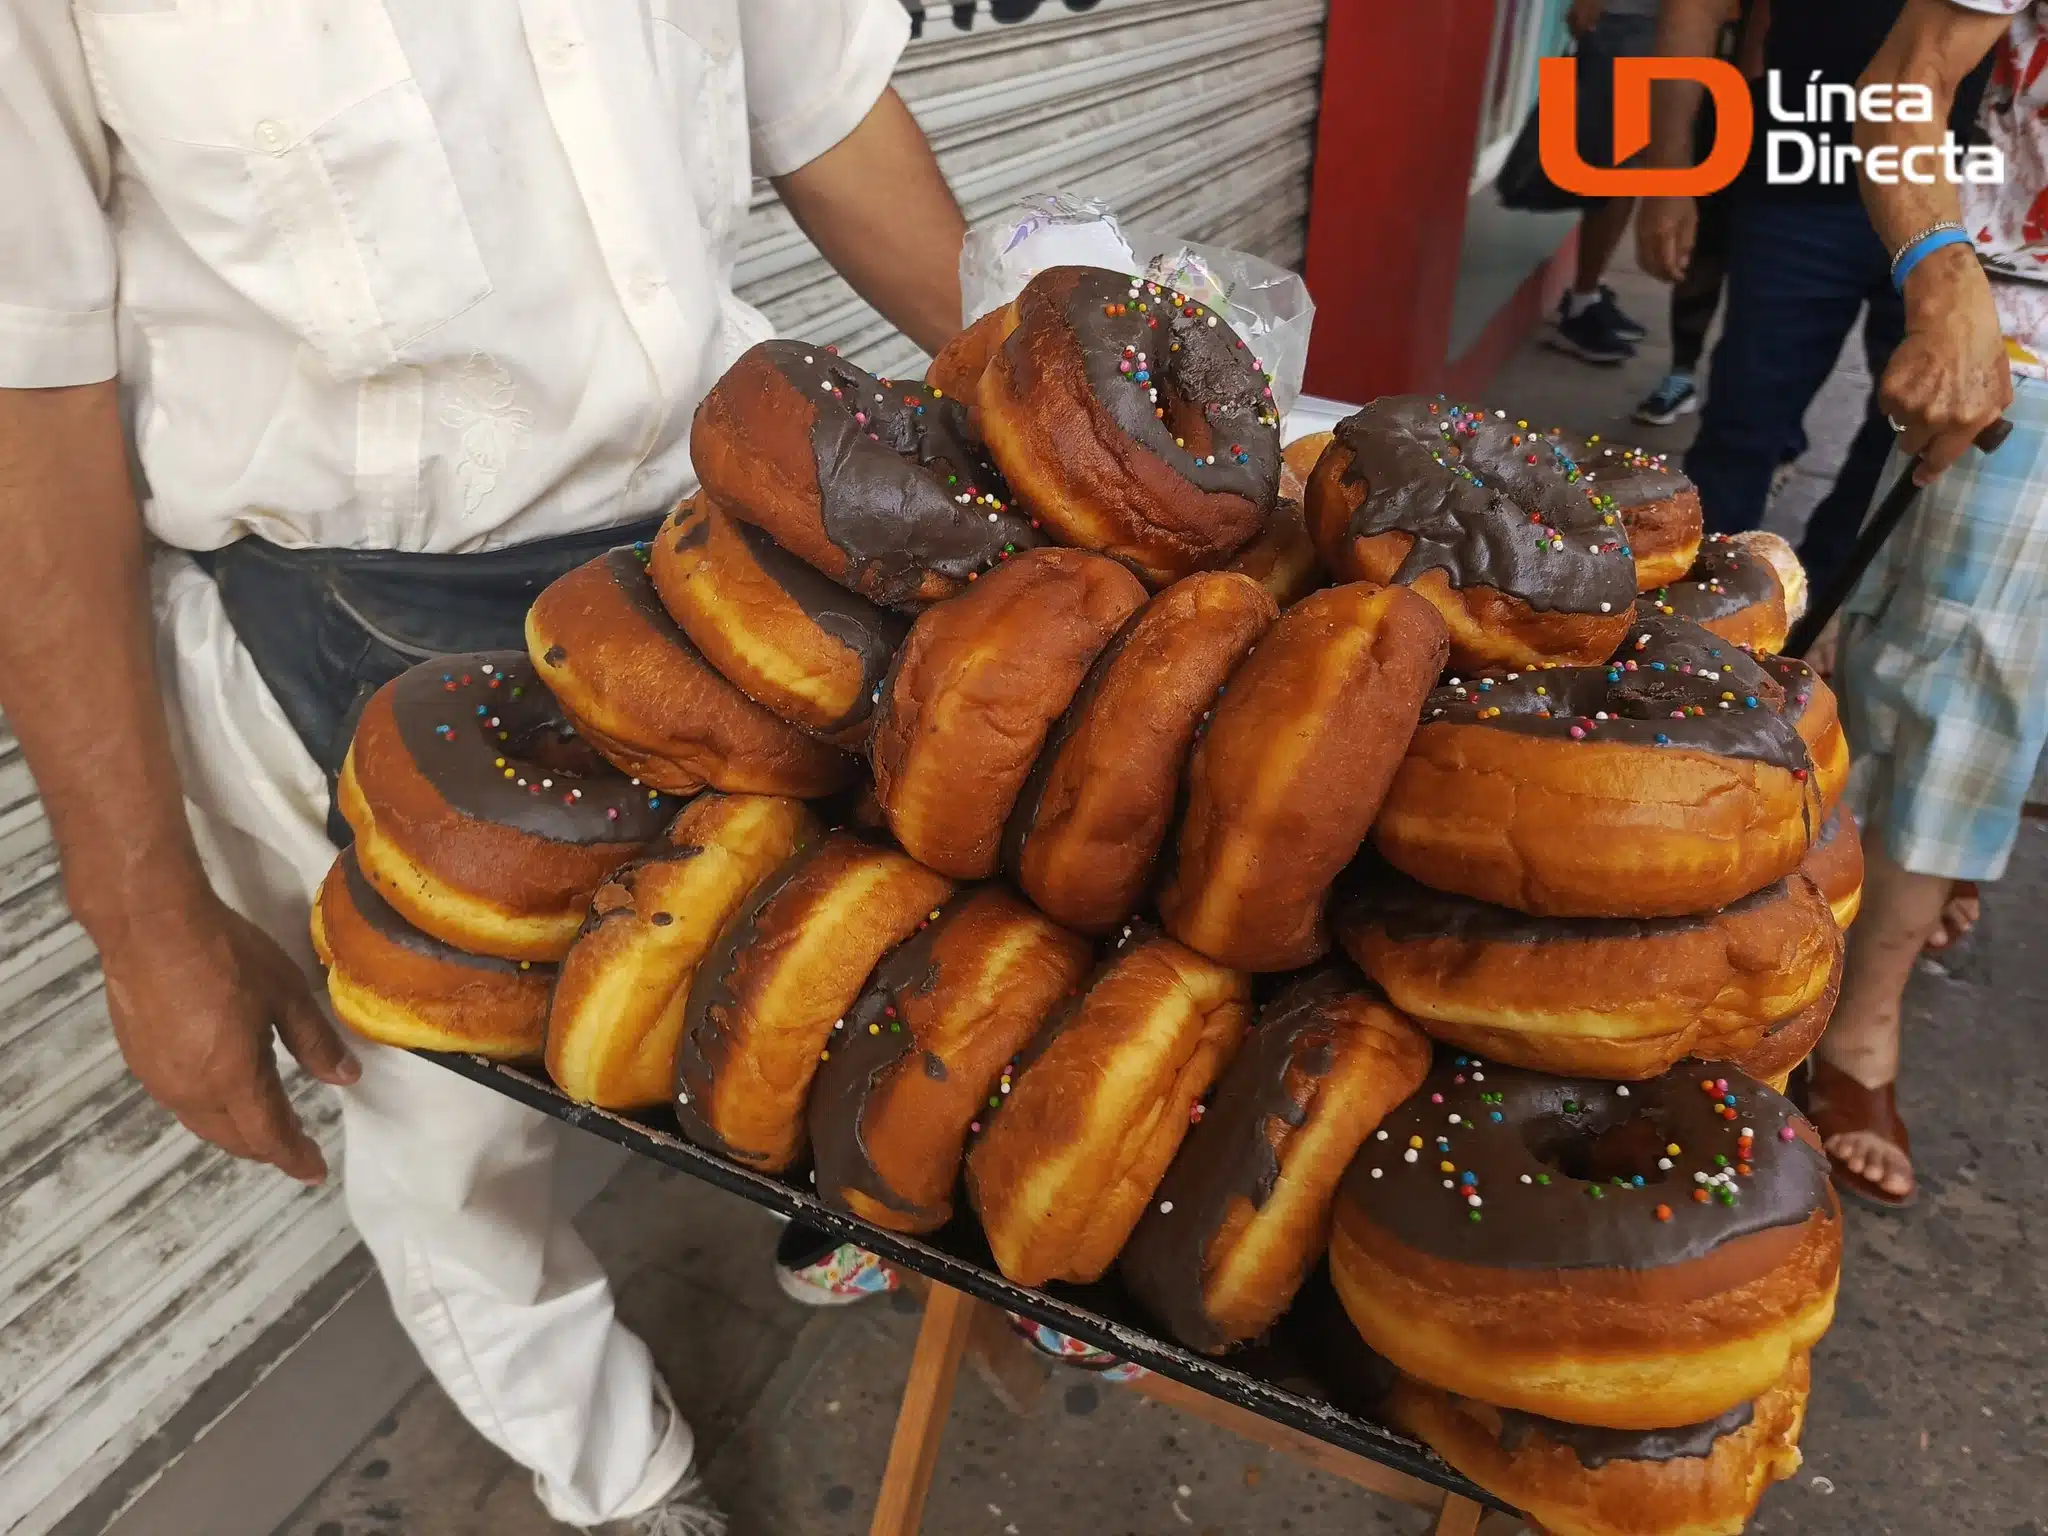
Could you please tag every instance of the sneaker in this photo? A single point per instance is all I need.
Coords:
(1618, 320)
(686, 1512)
(1068, 1350)
(821, 1271)
(1589, 335)
(1676, 396)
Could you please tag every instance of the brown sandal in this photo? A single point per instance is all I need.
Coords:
(1839, 1105)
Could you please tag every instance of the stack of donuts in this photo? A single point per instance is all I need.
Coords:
(960, 805)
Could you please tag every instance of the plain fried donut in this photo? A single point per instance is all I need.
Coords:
(391, 983)
(1243, 1214)
(647, 698)
(798, 644)
(1603, 997)
(1665, 783)
(1086, 829)
(1292, 770)
(1097, 1106)
(480, 813)
(1493, 524)
(913, 1063)
(879, 483)
(617, 1009)
(787, 966)
(1628, 1256)
(975, 689)
(1132, 420)
(1283, 558)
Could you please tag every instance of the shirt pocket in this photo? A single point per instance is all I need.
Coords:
(287, 142)
(697, 55)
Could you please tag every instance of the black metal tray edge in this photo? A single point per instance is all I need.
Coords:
(1325, 1422)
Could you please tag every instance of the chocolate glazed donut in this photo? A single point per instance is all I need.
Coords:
(878, 483)
(1659, 507)
(1132, 420)
(1731, 590)
(1495, 525)
(480, 813)
(1810, 706)
(1667, 782)
(1628, 1256)
(1243, 1214)
(1606, 997)
(794, 642)
(1835, 864)
(391, 983)
(915, 1060)
(1575, 1480)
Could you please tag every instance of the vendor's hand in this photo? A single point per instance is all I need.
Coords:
(1665, 230)
(1949, 378)
(1584, 16)
(194, 997)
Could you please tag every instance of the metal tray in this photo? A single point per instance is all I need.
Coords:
(1313, 1374)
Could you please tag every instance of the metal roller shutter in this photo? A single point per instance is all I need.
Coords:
(1194, 117)
(134, 1262)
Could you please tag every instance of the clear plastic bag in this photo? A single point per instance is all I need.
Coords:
(1266, 305)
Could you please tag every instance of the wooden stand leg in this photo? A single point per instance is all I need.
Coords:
(921, 1423)
(1460, 1517)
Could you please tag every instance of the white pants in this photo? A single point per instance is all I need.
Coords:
(452, 1186)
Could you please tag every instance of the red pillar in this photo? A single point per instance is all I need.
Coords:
(1402, 81)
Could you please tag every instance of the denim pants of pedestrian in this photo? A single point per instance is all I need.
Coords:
(1799, 276)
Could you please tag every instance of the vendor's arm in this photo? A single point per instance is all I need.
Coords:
(1667, 226)
(850, 162)
(1949, 378)
(194, 991)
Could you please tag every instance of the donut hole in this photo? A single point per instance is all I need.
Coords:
(553, 747)
(1599, 1143)
(1187, 419)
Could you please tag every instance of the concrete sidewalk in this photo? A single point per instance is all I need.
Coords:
(1930, 1410)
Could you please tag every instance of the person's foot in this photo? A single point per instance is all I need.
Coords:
(1068, 1350)
(820, 1271)
(688, 1511)
(1623, 325)
(1868, 1149)
(1959, 915)
(1585, 330)
(1676, 395)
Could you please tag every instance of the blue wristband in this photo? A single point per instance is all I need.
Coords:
(1911, 257)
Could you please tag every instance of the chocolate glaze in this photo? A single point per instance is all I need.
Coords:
(1664, 664)
(860, 1061)
(1595, 1448)
(1632, 476)
(1023, 817)
(458, 715)
(713, 1007)
(1796, 678)
(382, 920)
(1229, 1155)
(1459, 480)
(1725, 578)
(1408, 911)
(1214, 394)
(883, 490)
(1613, 1130)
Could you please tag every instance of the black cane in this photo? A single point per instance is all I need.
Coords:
(1889, 514)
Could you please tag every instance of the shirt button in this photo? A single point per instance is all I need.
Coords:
(270, 135)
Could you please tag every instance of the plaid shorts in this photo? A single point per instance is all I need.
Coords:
(1943, 667)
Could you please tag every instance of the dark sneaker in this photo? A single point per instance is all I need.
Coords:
(1588, 335)
(1676, 396)
(821, 1271)
(1618, 321)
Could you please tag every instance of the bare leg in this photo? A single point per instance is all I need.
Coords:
(1600, 232)
(1900, 911)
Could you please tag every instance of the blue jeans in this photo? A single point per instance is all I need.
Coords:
(1798, 277)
